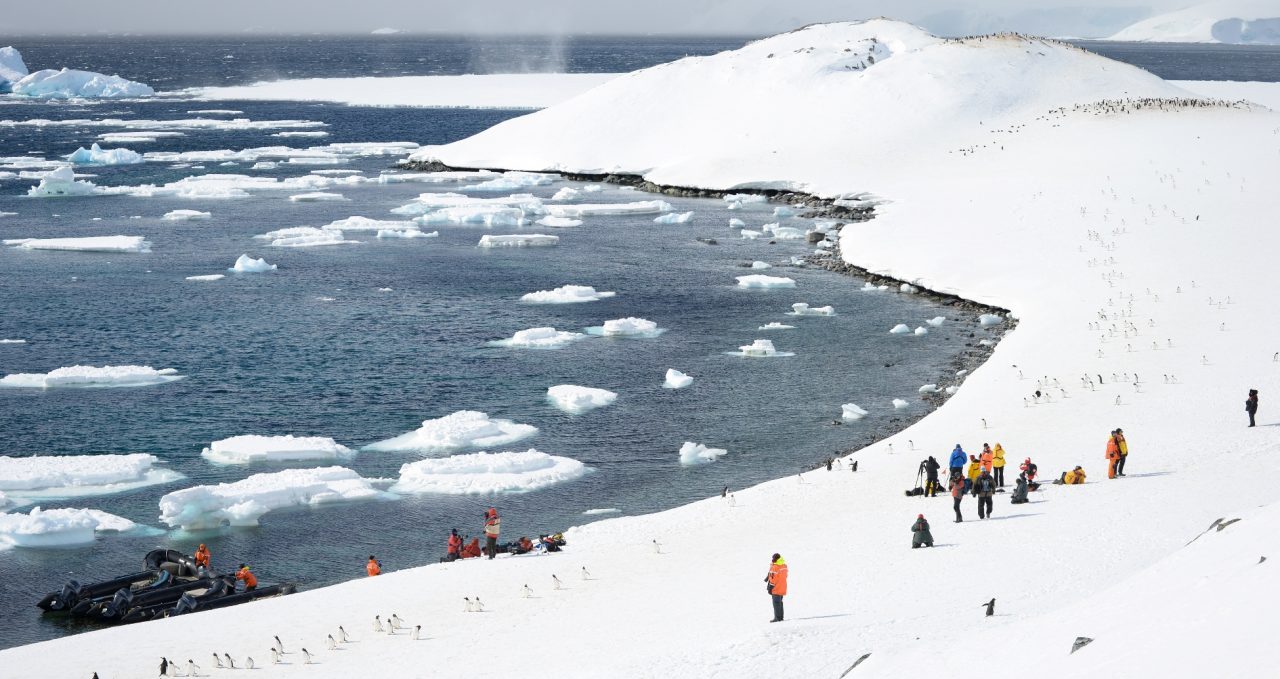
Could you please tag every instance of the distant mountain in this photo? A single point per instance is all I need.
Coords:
(1234, 22)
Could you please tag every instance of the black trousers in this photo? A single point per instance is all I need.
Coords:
(956, 506)
(1120, 464)
(492, 544)
(984, 507)
(1251, 414)
(777, 606)
(999, 473)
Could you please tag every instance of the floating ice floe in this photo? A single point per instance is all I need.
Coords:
(207, 277)
(463, 430)
(748, 234)
(559, 222)
(566, 294)
(735, 223)
(990, 319)
(577, 400)
(13, 341)
(785, 211)
(12, 68)
(72, 84)
(301, 133)
(247, 264)
(138, 137)
(61, 182)
(518, 240)
(627, 327)
(899, 404)
(66, 476)
(512, 181)
(250, 448)
(358, 223)
(929, 389)
(485, 473)
(951, 390)
(642, 207)
(430, 202)
(483, 215)
(761, 348)
(60, 527)
(676, 379)
(673, 218)
(695, 453)
(304, 237)
(871, 287)
(745, 198)
(784, 232)
(316, 197)
(186, 215)
(921, 330)
(765, 282)
(216, 111)
(761, 265)
(900, 329)
(566, 193)
(89, 376)
(774, 325)
(118, 244)
(406, 233)
(936, 321)
(539, 338)
(446, 177)
(264, 165)
(852, 412)
(243, 502)
(96, 155)
(604, 510)
(802, 309)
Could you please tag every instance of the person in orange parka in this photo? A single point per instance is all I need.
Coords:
(374, 567)
(250, 582)
(985, 458)
(777, 584)
(1113, 454)
(472, 549)
(202, 557)
(454, 546)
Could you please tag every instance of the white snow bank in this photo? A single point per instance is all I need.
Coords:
(676, 379)
(695, 453)
(465, 429)
(852, 412)
(120, 244)
(559, 222)
(304, 237)
(765, 282)
(577, 400)
(627, 327)
(12, 68)
(673, 218)
(566, 294)
(803, 309)
(317, 196)
(539, 338)
(247, 264)
(761, 348)
(518, 240)
(63, 476)
(58, 527)
(96, 155)
(186, 215)
(250, 448)
(72, 84)
(641, 207)
(89, 376)
(61, 182)
(485, 473)
(243, 502)
(207, 277)
(1235, 22)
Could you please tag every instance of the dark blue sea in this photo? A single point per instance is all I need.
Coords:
(316, 348)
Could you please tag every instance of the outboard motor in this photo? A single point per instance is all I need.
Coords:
(186, 604)
(68, 597)
(119, 604)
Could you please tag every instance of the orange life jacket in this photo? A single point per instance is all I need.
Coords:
(249, 581)
(202, 557)
(778, 577)
(373, 568)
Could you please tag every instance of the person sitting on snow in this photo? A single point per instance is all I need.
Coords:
(1074, 477)
(472, 549)
(1020, 491)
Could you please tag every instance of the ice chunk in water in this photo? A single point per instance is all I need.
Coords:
(63, 476)
(642, 207)
(465, 429)
(766, 282)
(761, 348)
(559, 222)
(244, 502)
(316, 196)
(69, 83)
(695, 453)
(486, 473)
(539, 338)
(852, 412)
(937, 321)
(673, 218)
(96, 155)
(566, 294)
(305, 237)
(990, 319)
(676, 379)
(627, 327)
(58, 527)
(576, 400)
(774, 325)
(186, 215)
(247, 264)
(900, 329)
(802, 309)
(900, 404)
(61, 182)
(519, 240)
(207, 277)
(89, 376)
(251, 448)
(119, 244)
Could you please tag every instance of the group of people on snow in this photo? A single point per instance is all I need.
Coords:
(457, 546)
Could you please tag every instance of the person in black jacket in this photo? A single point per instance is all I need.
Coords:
(983, 488)
(1251, 405)
(931, 468)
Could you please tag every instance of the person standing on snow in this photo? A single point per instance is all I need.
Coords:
(1251, 405)
(1113, 454)
(920, 534)
(777, 584)
(997, 463)
(1124, 451)
(931, 485)
(983, 488)
(986, 457)
(957, 492)
(454, 547)
(958, 457)
(492, 528)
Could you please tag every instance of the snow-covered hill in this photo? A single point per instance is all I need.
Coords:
(1128, 226)
(1236, 22)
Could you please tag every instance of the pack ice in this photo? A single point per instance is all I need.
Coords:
(566, 294)
(61, 182)
(120, 244)
(96, 155)
(89, 376)
(485, 473)
(62, 476)
(250, 448)
(539, 338)
(243, 502)
(765, 282)
(465, 429)
(577, 400)
(58, 527)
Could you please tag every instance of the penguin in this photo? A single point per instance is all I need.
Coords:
(279, 645)
(657, 547)
(391, 629)
(586, 574)
(230, 663)
(555, 581)
(164, 667)
(479, 606)
(218, 661)
(417, 631)
(275, 657)
(468, 606)
(330, 643)
(193, 670)
(342, 635)
(991, 607)
(306, 657)
(377, 623)
(526, 592)
(396, 622)
(248, 663)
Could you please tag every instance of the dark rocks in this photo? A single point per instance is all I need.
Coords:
(815, 237)
(1080, 643)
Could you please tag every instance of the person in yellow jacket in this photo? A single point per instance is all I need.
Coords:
(1124, 451)
(975, 468)
(1074, 477)
(997, 464)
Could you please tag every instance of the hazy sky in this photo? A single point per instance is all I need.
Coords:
(748, 17)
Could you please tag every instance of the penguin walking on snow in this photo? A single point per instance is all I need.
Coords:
(331, 644)
(342, 635)
(306, 655)
(279, 645)
(230, 663)
(377, 623)
(164, 667)
(555, 581)
(275, 657)
(248, 663)
(218, 662)
(586, 574)
(193, 670)
(417, 632)
(479, 606)
(396, 622)
(991, 607)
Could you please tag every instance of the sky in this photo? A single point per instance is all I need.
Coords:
(1077, 18)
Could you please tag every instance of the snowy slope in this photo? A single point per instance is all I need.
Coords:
(1133, 244)
(1237, 22)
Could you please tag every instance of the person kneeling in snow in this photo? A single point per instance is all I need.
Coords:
(1020, 491)
(472, 549)
(920, 534)
(1074, 477)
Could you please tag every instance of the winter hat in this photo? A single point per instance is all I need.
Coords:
(776, 556)
(920, 516)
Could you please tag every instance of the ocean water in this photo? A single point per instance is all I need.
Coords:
(316, 348)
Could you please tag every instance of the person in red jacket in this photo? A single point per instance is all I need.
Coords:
(455, 546)
(472, 549)
(492, 527)
(373, 567)
(1113, 454)
(777, 584)
(250, 582)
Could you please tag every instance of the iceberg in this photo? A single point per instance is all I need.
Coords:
(673, 218)
(802, 309)
(247, 264)
(921, 330)
(58, 527)
(185, 215)
(316, 196)
(87, 376)
(695, 453)
(676, 379)
(852, 412)
(304, 237)
(761, 348)
(566, 294)
(120, 244)
(577, 400)
(765, 282)
(485, 215)
(518, 241)
(899, 404)
(642, 207)
(65, 476)
(250, 448)
(486, 473)
(539, 338)
(72, 84)
(900, 329)
(559, 222)
(627, 327)
(243, 502)
(207, 277)
(61, 182)
(567, 193)
(774, 325)
(96, 155)
(12, 68)
(463, 430)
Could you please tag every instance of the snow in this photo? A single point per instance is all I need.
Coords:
(802, 309)
(316, 196)
(58, 527)
(559, 222)
(72, 84)
(566, 294)
(765, 282)
(1235, 22)
(774, 325)
(12, 68)
(90, 376)
(244, 502)
(900, 329)
(676, 379)
(520, 240)
(1265, 93)
(207, 277)
(304, 237)
(119, 244)
(761, 348)
(60, 182)
(577, 400)
(463, 430)
(185, 215)
(247, 264)
(695, 453)
(96, 155)
(639, 207)
(539, 338)
(852, 412)
(251, 448)
(488, 473)
(673, 218)
(505, 90)
(67, 476)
